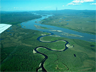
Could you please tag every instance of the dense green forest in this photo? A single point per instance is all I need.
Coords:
(17, 17)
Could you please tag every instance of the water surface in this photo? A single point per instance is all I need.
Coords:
(65, 32)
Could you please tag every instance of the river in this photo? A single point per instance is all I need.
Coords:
(46, 57)
(53, 30)
(62, 32)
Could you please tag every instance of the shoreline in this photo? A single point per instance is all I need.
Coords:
(71, 29)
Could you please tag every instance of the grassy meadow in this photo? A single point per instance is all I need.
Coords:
(82, 22)
(17, 44)
(66, 61)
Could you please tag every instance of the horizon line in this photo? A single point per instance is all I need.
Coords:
(41, 10)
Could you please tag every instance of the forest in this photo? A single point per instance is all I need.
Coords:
(17, 17)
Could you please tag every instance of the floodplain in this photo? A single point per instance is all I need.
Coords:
(25, 49)
(83, 21)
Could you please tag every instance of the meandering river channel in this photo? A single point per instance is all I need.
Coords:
(62, 32)
(36, 49)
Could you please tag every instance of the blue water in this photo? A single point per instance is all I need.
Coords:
(1, 39)
(30, 25)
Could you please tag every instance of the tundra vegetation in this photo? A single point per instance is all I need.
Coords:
(17, 46)
(83, 21)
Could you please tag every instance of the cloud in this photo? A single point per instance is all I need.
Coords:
(93, 4)
(78, 2)
(88, 0)
(75, 2)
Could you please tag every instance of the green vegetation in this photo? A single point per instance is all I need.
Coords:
(51, 38)
(82, 22)
(58, 45)
(16, 54)
(40, 27)
(66, 61)
(17, 17)
(18, 44)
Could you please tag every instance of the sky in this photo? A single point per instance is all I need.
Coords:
(34, 5)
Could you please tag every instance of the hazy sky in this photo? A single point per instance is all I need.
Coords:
(27, 5)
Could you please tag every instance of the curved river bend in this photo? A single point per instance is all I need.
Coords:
(46, 57)
(53, 30)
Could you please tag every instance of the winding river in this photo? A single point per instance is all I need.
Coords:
(36, 49)
(62, 32)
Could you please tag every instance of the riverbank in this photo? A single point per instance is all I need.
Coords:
(78, 22)
(26, 40)
(53, 62)
(62, 32)
(80, 56)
